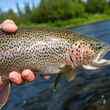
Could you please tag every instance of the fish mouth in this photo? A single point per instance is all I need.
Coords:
(100, 59)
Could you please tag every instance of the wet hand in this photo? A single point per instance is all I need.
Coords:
(8, 26)
(16, 77)
(26, 75)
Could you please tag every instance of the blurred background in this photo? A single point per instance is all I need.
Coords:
(54, 13)
(91, 89)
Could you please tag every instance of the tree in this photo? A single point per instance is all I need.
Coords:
(19, 11)
(96, 6)
(50, 10)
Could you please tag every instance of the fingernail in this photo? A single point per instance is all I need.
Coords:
(28, 75)
(15, 77)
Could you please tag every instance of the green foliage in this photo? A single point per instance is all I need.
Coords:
(96, 6)
(50, 10)
(8, 15)
(58, 13)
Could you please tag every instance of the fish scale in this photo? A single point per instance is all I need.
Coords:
(35, 49)
(31, 51)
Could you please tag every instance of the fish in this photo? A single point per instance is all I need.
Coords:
(52, 51)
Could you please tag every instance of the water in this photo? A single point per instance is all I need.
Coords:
(89, 91)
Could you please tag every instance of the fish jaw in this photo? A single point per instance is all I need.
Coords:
(91, 58)
(99, 61)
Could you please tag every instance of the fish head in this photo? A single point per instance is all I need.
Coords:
(89, 54)
(100, 51)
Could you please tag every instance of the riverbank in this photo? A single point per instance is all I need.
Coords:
(87, 18)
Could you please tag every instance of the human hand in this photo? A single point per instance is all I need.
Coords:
(27, 74)
(8, 26)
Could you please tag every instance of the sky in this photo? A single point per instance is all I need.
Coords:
(11, 4)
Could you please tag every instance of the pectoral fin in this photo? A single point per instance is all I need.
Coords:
(68, 71)
(4, 92)
(70, 75)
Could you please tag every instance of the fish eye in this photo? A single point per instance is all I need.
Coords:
(99, 47)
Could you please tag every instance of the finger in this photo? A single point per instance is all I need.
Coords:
(28, 75)
(46, 77)
(15, 77)
(8, 26)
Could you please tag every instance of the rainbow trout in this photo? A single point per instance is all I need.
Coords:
(48, 51)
